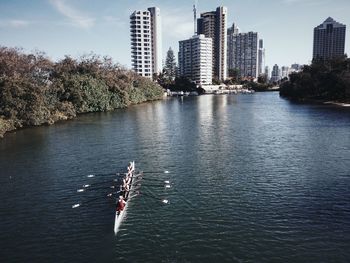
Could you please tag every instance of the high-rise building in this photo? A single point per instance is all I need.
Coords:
(156, 35)
(285, 71)
(213, 25)
(261, 57)
(275, 74)
(243, 53)
(146, 43)
(195, 59)
(267, 72)
(231, 46)
(329, 40)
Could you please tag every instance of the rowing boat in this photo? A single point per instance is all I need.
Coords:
(119, 216)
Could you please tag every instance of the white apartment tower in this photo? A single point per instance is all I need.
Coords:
(195, 59)
(146, 43)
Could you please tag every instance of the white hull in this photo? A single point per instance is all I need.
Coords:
(119, 218)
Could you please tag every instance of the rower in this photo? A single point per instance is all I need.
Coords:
(121, 204)
(130, 168)
(126, 189)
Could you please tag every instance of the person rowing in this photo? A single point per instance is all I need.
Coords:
(121, 204)
(130, 168)
(125, 186)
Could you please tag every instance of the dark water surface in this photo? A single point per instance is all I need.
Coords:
(255, 179)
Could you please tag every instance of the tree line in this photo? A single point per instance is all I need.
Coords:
(34, 90)
(322, 80)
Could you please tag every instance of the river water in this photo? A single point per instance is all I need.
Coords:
(255, 178)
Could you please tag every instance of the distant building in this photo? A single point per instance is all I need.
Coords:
(285, 71)
(146, 43)
(231, 46)
(261, 57)
(243, 53)
(296, 67)
(329, 40)
(195, 59)
(275, 74)
(213, 25)
(267, 72)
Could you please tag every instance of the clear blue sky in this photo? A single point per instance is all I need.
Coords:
(77, 27)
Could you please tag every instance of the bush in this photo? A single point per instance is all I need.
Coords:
(35, 90)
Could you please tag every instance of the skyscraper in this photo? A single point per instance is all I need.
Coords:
(261, 57)
(285, 71)
(275, 74)
(329, 40)
(243, 52)
(213, 25)
(231, 46)
(146, 44)
(195, 59)
(267, 72)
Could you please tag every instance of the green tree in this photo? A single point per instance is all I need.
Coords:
(322, 80)
(35, 90)
(170, 65)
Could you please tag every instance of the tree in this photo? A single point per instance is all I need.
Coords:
(35, 90)
(322, 80)
(170, 65)
(262, 79)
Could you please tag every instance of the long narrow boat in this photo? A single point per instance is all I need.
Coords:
(120, 216)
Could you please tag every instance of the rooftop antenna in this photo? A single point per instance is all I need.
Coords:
(195, 17)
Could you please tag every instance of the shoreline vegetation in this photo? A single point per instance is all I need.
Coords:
(37, 91)
(326, 82)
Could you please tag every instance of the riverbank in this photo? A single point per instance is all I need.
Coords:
(36, 91)
(319, 101)
(341, 104)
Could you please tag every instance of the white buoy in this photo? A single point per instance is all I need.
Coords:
(167, 182)
(80, 190)
(165, 201)
(91, 175)
(75, 206)
(86, 185)
(166, 172)
(167, 186)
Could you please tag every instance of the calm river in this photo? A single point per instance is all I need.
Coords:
(255, 178)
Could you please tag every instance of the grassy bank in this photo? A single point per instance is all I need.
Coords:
(35, 90)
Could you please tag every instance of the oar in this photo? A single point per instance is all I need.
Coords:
(156, 172)
(87, 202)
(106, 174)
(158, 185)
(93, 188)
(164, 201)
(155, 179)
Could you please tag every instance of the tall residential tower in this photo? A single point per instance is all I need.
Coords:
(329, 40)
(195, 59)
(146, 43)
(243, 53)
(213, 25)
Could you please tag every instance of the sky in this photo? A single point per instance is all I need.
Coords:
(79, 27)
